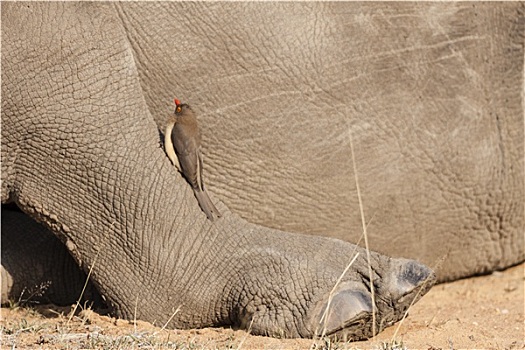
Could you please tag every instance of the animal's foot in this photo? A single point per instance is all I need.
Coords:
(347, 312)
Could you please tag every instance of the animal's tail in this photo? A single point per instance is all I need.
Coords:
(206, 204)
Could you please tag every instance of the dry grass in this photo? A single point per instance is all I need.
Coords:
(476, 313)
(365, 235)
(30, 329)
(84, 330)
(52, 327)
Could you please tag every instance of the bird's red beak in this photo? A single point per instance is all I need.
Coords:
(177, 102)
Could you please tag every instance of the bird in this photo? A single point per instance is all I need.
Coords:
(182, 142)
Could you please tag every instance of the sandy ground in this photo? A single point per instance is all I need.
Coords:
(478, 313)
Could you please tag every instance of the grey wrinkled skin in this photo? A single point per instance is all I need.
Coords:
(430, 93)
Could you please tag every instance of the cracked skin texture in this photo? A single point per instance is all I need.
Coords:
(431, 94)
(83, 99)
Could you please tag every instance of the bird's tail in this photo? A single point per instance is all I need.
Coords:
(206, 204)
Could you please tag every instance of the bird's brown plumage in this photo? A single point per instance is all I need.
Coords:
(183, 135)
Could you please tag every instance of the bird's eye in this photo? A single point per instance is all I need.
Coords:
(178, 109)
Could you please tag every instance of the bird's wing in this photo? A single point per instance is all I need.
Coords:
(188, 149)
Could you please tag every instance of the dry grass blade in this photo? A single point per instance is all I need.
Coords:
(168, 321)
(135, 314)
(363, 222)
(246, 335)
(72, 313)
